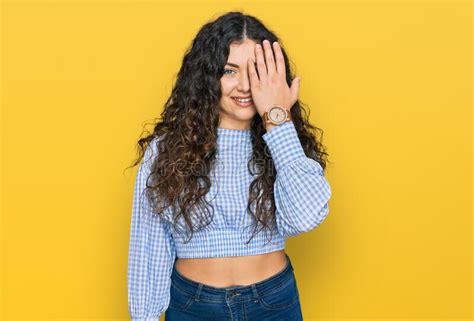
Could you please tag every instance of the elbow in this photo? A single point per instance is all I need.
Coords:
(317, 214)
(313, 218)
(302, 211)
(303, 217)
(318, 218)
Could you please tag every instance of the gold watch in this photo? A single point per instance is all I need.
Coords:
(276, 115)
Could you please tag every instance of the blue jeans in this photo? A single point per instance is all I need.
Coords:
(275, 298)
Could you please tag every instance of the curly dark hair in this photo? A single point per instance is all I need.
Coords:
(185, 136)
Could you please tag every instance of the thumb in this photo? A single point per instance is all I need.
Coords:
(295, 86)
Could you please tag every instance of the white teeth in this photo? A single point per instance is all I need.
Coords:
(243, 100)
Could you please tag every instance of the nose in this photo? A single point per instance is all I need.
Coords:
(244, 82)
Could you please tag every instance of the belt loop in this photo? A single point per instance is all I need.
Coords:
(255, 293)
(198, 292)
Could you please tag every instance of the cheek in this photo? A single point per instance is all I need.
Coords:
(227, 86)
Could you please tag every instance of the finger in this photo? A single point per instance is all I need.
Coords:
(280, 60)
(261, 67)
(269, 60)
(252, 72)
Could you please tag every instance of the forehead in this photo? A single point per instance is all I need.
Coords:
(239, 53)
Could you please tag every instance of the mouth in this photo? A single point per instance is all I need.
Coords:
(243, 102)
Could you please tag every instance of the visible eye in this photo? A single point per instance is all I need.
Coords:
(227, 70)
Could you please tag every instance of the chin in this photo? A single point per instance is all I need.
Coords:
(245, 114)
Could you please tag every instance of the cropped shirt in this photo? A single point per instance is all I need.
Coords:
(301, 194)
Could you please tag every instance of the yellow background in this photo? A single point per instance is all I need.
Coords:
(389, 82)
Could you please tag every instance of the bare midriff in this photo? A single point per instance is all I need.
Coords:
(222, 272)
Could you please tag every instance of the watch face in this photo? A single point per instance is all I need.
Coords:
(277, 114)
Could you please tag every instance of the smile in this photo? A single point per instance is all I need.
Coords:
(243, 102)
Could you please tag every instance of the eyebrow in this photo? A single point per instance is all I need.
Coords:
(232, 64)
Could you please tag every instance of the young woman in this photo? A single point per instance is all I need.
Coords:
(232, 160)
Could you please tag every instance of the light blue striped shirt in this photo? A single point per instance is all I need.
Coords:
(301, 194)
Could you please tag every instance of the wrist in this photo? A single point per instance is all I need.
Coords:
(276, 115)
(269, 126)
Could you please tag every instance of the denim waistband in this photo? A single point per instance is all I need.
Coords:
(239, 293)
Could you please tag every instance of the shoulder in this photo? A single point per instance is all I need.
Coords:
(151, 150)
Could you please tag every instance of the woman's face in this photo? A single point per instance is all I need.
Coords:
(236, 83)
